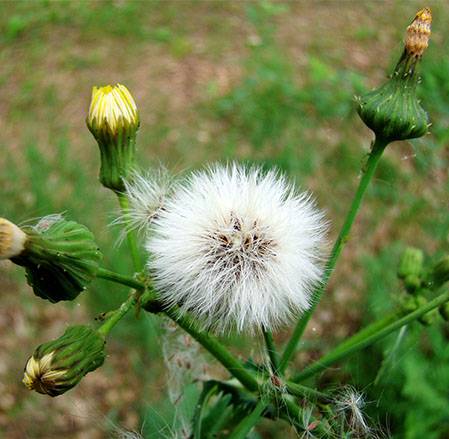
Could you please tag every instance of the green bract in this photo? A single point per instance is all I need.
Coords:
(393, 111)
(60, 258)
(59, 365)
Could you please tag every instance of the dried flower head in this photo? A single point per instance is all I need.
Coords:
(393, 111)
(238, 248)
(418, 33)
(12, 239)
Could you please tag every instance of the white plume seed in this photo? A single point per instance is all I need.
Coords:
(147, 193)
(238, 248)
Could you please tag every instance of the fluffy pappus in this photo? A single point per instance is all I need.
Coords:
(146, 193)
(238, 248)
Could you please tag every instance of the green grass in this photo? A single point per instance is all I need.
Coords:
(276, 106)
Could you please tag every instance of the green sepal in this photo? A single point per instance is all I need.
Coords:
(117, 154)
(393, 111)
(60, 259)
(77, 352)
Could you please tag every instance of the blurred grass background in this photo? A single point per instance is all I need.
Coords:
(265, 82)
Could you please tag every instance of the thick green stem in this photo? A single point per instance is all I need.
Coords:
(358, 342)
(115, 316)
(305, 392)
(132, 243)
(119, 278)
(371, 165)
(248, 422)
(271, 350)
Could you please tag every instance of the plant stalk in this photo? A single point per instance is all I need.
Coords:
(271, 350)
(358, 341)
(116, 315)
(119, 278)
(370, 168)
(131, 237)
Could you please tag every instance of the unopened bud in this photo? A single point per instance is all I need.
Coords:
(61, 364)
(113, 120)
(393, 111)
(60, 258)
(12, 239)
(410, 268)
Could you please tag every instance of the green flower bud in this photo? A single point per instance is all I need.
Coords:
(113, 120)
(410, 268)
(393, 111)
(61, 364)
(409, 304)
(60, 258)
(440, 272)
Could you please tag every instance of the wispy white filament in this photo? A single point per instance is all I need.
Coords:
(238, 248)
(147, 193)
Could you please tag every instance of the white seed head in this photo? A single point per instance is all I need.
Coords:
(12, 239)
(147, 194)
(238, 248)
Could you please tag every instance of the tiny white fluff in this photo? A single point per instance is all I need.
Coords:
(147, 193)
(238, 248)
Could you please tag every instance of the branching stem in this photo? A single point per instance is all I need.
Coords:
(371, 165)
(367, 336)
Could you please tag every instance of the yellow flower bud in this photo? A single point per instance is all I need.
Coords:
(111, 110)
(12, 239)
(113, 119)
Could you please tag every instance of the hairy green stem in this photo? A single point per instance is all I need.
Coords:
(292, 414)
(305, 392)
(360, 342)
(271, 350)
(119, 278)
(371, 165)
(132, 243)
(115, 316)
